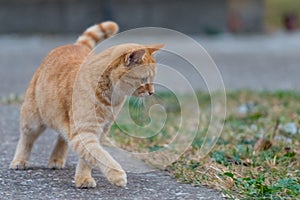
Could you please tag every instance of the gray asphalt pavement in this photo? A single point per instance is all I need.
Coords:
(39, 182)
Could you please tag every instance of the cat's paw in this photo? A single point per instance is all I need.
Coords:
(117, 177)
(18, 165)
(85, 182)
(56, 164)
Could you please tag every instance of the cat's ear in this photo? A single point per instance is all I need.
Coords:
(154, 47)
(134, 57)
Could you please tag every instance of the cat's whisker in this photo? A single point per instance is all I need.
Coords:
(143, 102)
(136, 108)
(137, 104)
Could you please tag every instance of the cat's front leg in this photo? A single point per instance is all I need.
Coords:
(116, 177)
(87, 145)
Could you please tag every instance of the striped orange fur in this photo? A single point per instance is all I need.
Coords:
(97, 33)
(62, 94)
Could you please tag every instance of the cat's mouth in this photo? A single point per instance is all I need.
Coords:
(142, 92)
(143, 95)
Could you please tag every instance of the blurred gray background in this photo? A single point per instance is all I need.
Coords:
(255, 43)
(69, 16)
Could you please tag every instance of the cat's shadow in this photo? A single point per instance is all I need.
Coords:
(63, 178)
(46, 168)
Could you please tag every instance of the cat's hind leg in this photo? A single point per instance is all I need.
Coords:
(30, 129)
(59, 154)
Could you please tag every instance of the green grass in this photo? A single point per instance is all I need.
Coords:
(11, 99)
(256, 156)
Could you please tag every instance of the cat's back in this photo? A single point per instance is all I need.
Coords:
(59, 68)
(64, 57)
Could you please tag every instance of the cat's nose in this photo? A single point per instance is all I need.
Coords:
(150, 93)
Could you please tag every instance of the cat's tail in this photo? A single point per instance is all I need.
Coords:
(97, 33)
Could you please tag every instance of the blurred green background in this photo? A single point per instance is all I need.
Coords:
(276, 9)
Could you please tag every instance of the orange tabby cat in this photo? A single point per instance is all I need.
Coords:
(59, 97)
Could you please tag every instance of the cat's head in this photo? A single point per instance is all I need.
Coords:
(136, 70)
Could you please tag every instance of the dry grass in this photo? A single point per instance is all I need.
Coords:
(257, 155)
